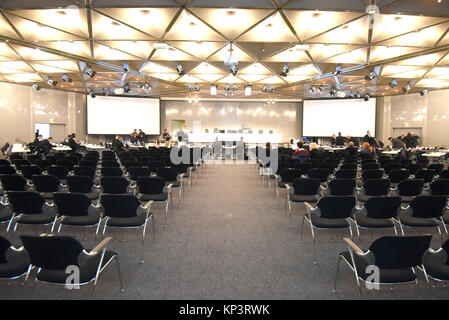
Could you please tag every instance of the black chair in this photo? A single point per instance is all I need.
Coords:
(396, 176)
(425, 174)
(29, 171)
(76, 210)
(7, 170)
(125, 211)
(5, 213)
(370, 166)
(85, 185)
(424, 212)
(438, 167)
(109, 164)
(46, 185)
(14, 182)
(58, 171)
(300, 191)
(320, 174)
(69, 164)
(116, 185)
(346, 174)
(4, 162)
(129, 164)
(377, 213)
(348, 166)
(53, 255)
(43, 164)
(136, 172)
(439, 187)
(405, 162)
(373, 188)
(330, 213)
(21, 162)
(111, 172)
(372, 174)
(170, 175)
(435, 264)
(154, 165)
(396, 258)
(30, 208)
(339, 187)
(14, 262)
(444, 174)
(414, 167)
(392, 166)
(84, 171)
(88, 163)
(409, 189)
(154, 189)
(285, 176)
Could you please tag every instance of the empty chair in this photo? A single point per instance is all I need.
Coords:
(4, 162)
(170, 175)
(435, 265)
(340, 187)
(424, 212)
(392, 166)
(84, 171)
(321, 174)
(154, 165)
(76, 210)
(439, 187)
(13, 182)
(396, 257)
(438, 167)
(408, 189)
(43, 164)
(302, 190)
(286, 176)
(46, 185)
(346, 174)
(5, 213)
(384, 162)
(330, 213)
(328, 165)
(136, 172)
(69, 164)
(52, 255)
(20, 162)
(377, 213)
(348, 166)
(7, 170)
(425, 174)
(85, 185)
(32, 209)
(125, 211)
(370, 166)
(372, 174)
(111, 172)
(14, 262)
(116, 185)
(58, 171)
(405, 162)
(88, 163)
(110, 164)
(52, 159)
(129, 164)
(396, 176)
(414, 167)
(373, 188)
(29, 171)
(444, 174)
(154, 189)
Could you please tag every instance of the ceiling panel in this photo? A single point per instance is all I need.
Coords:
(199, 49)
(273, 28)
(355, 32)
(426, 37)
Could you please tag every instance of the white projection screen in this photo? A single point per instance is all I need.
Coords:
(323, 118)
(120, 115)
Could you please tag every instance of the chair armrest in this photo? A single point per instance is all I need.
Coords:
(308, 206)
(148, 205)
(288, 187)
(353, 246)
(101, 245)
(170, 186)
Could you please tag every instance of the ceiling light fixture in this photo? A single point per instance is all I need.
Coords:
(197, 87)
(248, 89)
(271, 89)
(126, 67)
(338, 70)
(36, 87)
(424, 92)
(160, 45)
(265, 88)
(190, 87)
(284, 71)
(66, 78)
(393, 83)
(126, 88)
(90, 72)
(366, 97)
(234, 70)
(92, 93)
(301, 47)
(52, 82)
(333, 92)
(213, 90)
(180, 70)
(234, 87)
(371, 76)
(406, 88)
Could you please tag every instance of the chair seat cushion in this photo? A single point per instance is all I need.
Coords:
(319, 222)
(363, 197)
(411, 221)
(88, 220)
(407, 199)
(155, 197)
(127, 222)
(435, 267)
(303, 198)
(87, 272)
(15, 267)
(389, 276)
(5, 213)
(47, 195)
(94, 195)
(38, 218)
(368, 222)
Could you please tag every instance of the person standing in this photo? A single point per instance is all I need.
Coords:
(142, 137)
(72, 142)
(340, 140)
(333, 140)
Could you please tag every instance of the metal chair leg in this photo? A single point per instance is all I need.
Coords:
(336, 274)
(122, 289)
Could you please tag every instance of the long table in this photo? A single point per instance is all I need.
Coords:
(200, 137)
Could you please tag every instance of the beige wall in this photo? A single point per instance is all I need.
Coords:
(429, 112)
(21, 107)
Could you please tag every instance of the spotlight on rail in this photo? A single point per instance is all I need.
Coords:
(66, 78)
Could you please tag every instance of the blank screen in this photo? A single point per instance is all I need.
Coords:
(323, 118)
(120, 115)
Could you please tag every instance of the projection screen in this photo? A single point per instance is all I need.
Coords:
(120, 115)
(323, 118)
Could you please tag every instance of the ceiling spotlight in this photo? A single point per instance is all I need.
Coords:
(271, 89)
(52, 82)
(366, 97)
(190, 87)
(228, 87)
(406, 88)
(341, 94)
(338, 70)
(284, 71)
(424, 92)
(197, 87)
(333, 92)
(234, 70)
(126, 67)
(248, 90)
(126, 88)
(213, 90)
(265, 88)
(140, 85)
(148, 86)
(92, 94)
(371, 76)
(90, 72)
(231, 60)
(393, 83)
(66, 78)
(234, 87)
(36, 87)
(180, 70)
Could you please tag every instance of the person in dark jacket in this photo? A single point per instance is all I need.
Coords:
(72, 142)
(46, 145)
(351, 150)
(340, 140)
(396, 143)
(141, 136)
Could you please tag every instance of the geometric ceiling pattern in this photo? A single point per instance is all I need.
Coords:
(406, 41)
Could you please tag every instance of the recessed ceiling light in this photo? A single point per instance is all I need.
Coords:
(192, 24)
(61, 12)
(345, 27)
(397, 18)
(145, 11)
(230, 12)
(115, 23)
(316, 14)
(269, 25)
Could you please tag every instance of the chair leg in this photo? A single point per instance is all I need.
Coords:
(336, 274)
(302, 226)
(152, 222)
(10, 222)
(143, 242)
(417, 289)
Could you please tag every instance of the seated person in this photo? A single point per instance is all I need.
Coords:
(354, 140)
(46, 145)
(72, 142)
(351, 150)
(396, 143)
(334, 140)
(301, 153)
(315, 153)
(117, 144)
(134, 138)
(366, 148)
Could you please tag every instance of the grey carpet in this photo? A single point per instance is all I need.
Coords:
(228, 240)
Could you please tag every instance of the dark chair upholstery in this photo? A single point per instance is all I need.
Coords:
(46, 185)
(414, 167)
(370, 166)
(378, 212)
(373, 188)
(7, 170)
(346, 174)
(436, 263)
(59, 171)
(439, 187)
(13, 182)
(340, 187)
(425, 174)
(136, 172)
(392, 166)
(408, 189)
(155, 189)
(69, 164)
(111, 172)
(438, 167)
(321, 174)
(88, 163)
(14, 262)
(110, 164)
(396, 176)
(84, 171)
(115, 185)
(83, 184)
(348, 166)
(444, 174)
(43, 164)
(372, 174)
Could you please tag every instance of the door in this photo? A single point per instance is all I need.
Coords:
(57, 131)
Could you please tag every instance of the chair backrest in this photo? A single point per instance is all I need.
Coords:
(26, 202)
(392, 166)
(136, 172)
(52, 252)
(119, 205)
(370, 166)
(399, 252)
(110, 164)
(29, 171)
(425, 174)
(111, 172)
(321, 174)
(413, 167)
(440, 187)
(428, 206)
(410, 187)
(44, 183)
(69, 164)
(80, 184)
(348, 166)
(88, 163)
(4, 162)
(346, 174)
(342, 187)
(154, 165)
(288, 175)
(377, 187)
(13, 182)
(168, 174)
(114, 185)
(382, 207)
(21, 162)
(43, 164)
(129, 164)
(306, 187)
(7, 170)
(397, 176)
(150, 185)
(438, 167)
(372, 174)
(84, 171)
(59, 171)
(336, 207)
(71, 204)
(444, 174)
